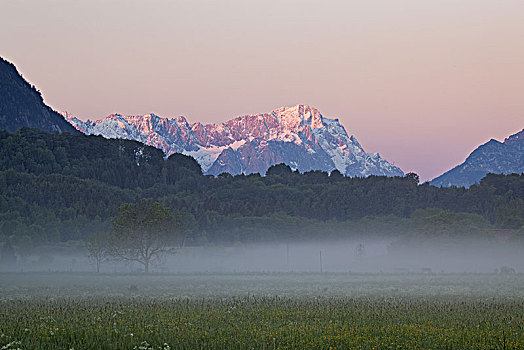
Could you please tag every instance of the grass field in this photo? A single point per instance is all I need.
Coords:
(261, 311)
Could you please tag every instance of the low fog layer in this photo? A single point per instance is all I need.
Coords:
(359, 256)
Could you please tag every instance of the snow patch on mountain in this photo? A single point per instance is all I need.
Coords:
(206, 156)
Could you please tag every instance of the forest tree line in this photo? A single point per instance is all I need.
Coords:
(62, 187)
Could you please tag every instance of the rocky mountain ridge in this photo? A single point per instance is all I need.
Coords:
(492, 157)
(298, 136)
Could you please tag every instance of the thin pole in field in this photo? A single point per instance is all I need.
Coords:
(320, 261)
(287, 255)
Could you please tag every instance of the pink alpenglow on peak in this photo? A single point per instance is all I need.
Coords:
(298, 136)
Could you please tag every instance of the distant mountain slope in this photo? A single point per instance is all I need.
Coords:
(298, 136)
(492, 157)
(22, 105)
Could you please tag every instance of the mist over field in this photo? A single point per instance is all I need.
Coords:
(376, 267)
(348, 256)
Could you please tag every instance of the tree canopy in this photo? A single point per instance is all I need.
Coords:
(143, 232)
(60, 187)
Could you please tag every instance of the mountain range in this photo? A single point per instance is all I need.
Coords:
(492, 157)
(298, 136)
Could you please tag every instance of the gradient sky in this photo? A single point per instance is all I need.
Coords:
(422, 82)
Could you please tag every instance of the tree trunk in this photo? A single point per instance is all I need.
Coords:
(98, 266)
(146, 266)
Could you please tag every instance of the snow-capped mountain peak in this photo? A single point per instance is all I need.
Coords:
(298, 136)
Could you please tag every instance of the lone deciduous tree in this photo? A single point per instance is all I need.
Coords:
(98, 249)
(144, 232)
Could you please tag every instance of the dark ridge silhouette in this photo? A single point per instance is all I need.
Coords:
(21, 104)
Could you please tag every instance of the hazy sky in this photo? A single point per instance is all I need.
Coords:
(422, 82)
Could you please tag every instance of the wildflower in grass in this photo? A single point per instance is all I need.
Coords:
(12, 346)
(143, 346)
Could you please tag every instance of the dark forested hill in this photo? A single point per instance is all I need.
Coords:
(22, 105)
(64, 186)
(122, 163)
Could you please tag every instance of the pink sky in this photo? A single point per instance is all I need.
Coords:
(421, 82)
